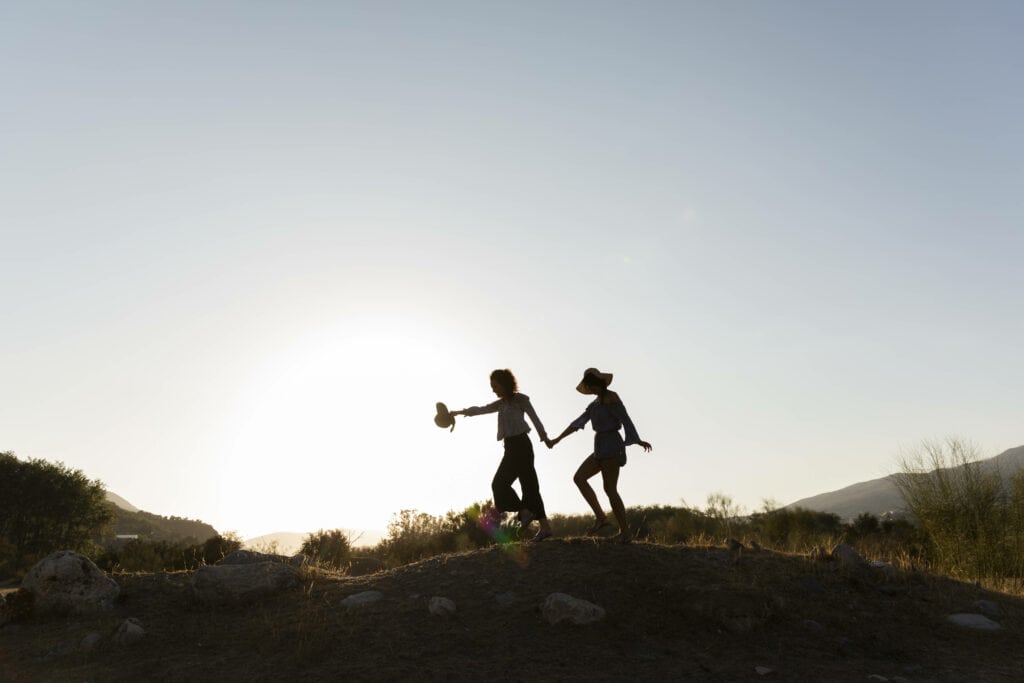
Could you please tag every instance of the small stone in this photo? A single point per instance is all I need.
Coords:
(847, 556)
(506, 598)
(362, 599)
(129, 632)
(561, 606)
(977, 621)
(764, 670)
(441, 607)
(90, 641)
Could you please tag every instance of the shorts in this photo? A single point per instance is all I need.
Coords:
(609, 445)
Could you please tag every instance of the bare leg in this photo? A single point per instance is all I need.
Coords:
(610, 474)
(586, 470)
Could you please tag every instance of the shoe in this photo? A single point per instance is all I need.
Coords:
(525, 517)
(540, 536)
(598, 526)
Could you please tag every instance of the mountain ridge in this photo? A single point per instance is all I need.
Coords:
(880, 496)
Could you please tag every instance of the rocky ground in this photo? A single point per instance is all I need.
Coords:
(671, 613)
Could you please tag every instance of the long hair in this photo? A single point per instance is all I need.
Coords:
(507, 381)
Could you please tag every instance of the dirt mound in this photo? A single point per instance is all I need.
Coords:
(672, 612)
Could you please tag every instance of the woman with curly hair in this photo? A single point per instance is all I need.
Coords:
(512, 408)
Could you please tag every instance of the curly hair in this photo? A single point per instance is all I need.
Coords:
(507, 381)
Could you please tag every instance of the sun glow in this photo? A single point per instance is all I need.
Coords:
(337, 430)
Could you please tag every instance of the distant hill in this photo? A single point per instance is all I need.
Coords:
(879, 496)
(289, 542)
(150, 527)
(131, 521)
(120, 502)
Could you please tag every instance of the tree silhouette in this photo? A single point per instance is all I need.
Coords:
(44, 507)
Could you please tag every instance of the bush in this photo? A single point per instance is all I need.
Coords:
(161, 556)
(973, 526)
(329, 548)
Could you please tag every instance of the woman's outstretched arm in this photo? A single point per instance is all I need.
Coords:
(574, 426)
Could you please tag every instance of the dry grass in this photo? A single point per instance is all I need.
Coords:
(673, 612)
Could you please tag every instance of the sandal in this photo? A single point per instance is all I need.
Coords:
(598, 526)
(525, 517)
(540, 536)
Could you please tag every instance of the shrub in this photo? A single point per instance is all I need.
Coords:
(329, 548)
(971, 523)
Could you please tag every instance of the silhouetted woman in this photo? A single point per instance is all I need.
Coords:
(607, 415)
(517, 463)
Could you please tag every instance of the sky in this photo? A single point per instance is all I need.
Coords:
(246, 246)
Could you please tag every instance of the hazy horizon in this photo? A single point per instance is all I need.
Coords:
(247, 247)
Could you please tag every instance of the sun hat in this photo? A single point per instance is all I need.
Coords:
(444, 418)
(604, 376)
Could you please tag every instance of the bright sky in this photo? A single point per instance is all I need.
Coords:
(246, 246)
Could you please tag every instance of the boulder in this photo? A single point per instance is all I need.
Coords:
(239, 583)
(251, 557)
(561, 607)
(65, 582)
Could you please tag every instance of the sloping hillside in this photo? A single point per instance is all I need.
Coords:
(879, 496)
(150, 527)
(673, 613)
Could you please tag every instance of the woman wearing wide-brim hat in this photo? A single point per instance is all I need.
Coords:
(607, 415)
(512, 409)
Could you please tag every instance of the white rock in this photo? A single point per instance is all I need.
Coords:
(236, 583)
(65, 581)
(561, 606)
(847, 556)
(978, 621)
(130, 631)
(362, 599)
(441, 607)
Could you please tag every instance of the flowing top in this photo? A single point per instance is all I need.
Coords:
(511, 419)
(607, 417)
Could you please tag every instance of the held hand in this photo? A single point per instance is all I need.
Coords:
(646, 446)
